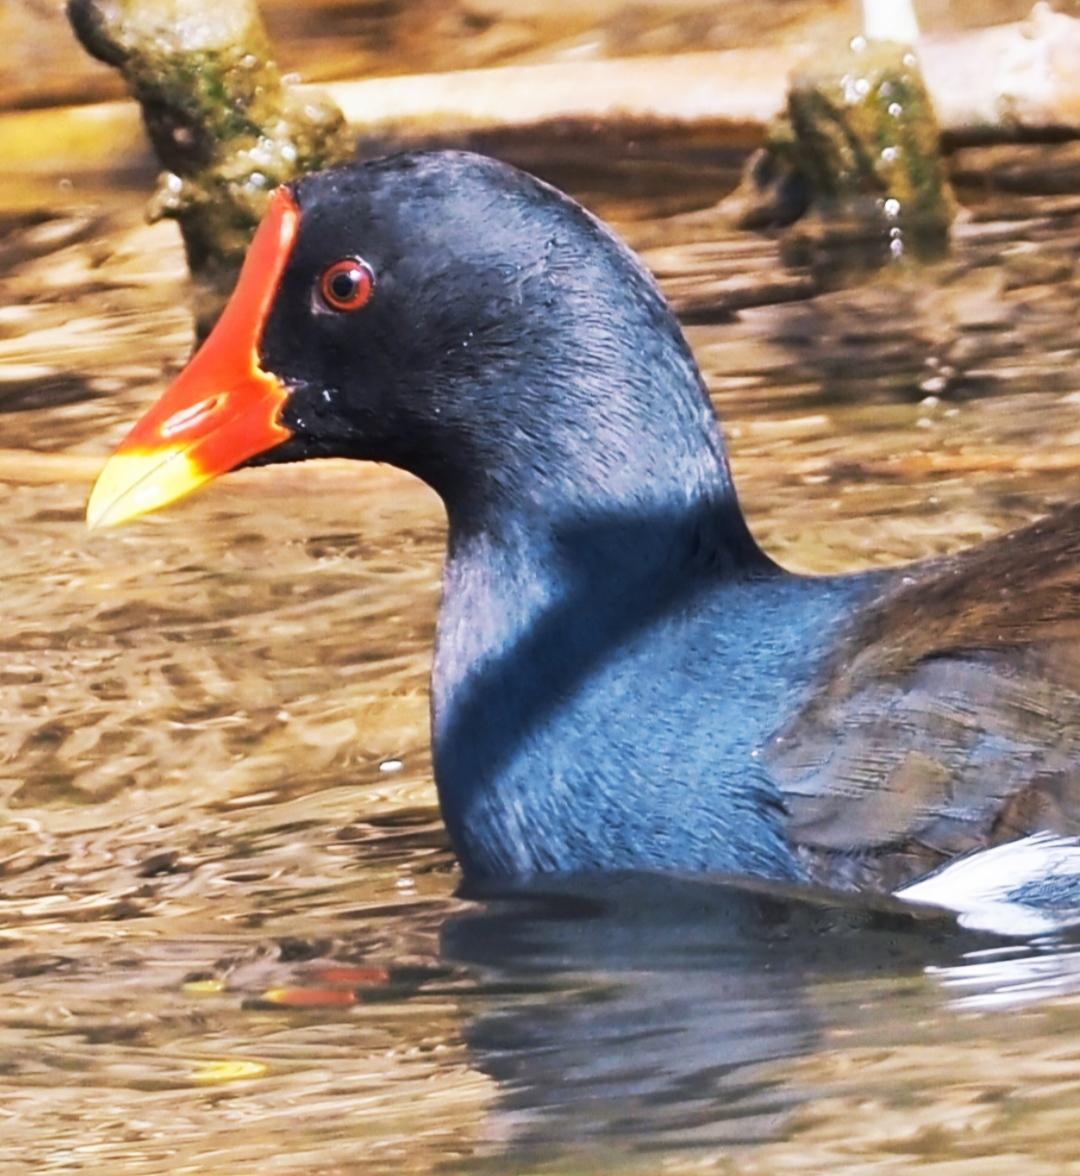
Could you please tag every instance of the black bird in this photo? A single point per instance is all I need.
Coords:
(623, 679)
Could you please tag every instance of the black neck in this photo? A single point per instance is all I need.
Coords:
(612, 452)
(564, 543)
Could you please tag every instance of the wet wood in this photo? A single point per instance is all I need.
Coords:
(730, 94)
(996, 83)
(225, 125)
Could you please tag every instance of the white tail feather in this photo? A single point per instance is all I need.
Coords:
(1027, 887)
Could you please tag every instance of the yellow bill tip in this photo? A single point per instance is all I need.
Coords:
(133, 484)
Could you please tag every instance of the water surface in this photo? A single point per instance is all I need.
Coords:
(230, 938)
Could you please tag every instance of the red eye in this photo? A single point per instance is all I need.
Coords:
(347, 284)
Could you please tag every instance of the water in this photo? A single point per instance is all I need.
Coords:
(230, 938)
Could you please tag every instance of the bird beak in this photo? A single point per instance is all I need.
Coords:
(222, 409)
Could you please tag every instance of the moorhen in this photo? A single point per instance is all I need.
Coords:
(623, 679)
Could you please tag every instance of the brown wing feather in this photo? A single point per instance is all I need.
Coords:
(950, 717)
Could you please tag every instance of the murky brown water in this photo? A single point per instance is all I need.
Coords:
(229, 940)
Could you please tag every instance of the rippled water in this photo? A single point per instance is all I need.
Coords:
(229, 934)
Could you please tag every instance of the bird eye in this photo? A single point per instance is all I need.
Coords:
(347, 284)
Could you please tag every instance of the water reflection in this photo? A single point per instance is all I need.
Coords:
(638, 1017)
(194, 711)
(662, 1009)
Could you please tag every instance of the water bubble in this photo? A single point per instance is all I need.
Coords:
(857, 44)
(896, 248)
(391, 765)
(891, 208)
(895, 109)
(890, 154)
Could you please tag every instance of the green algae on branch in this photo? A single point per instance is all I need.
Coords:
(859, 146)
(221, 119)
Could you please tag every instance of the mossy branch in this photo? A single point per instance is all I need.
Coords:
(223, 122)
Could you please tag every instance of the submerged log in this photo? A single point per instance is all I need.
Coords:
(220, 117)
(858, 148)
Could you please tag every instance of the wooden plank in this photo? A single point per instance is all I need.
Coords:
(1021, 78)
